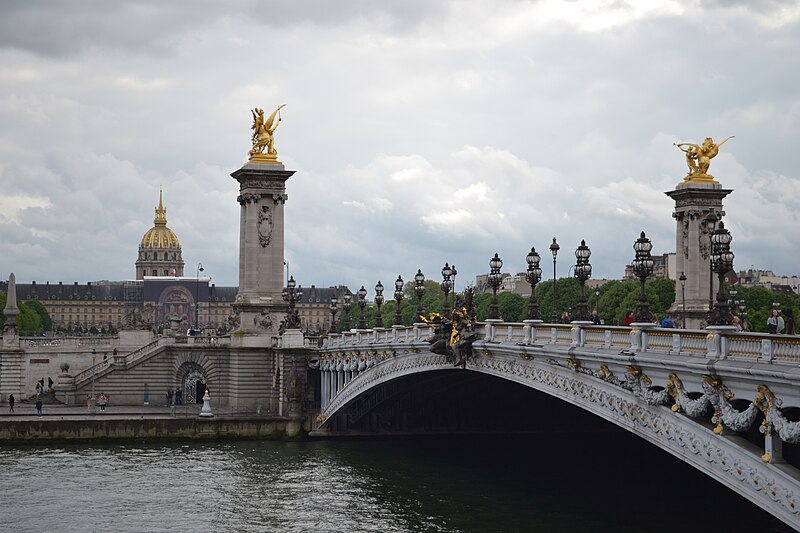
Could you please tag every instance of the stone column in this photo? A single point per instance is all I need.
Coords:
(262, 194)
(694, 200)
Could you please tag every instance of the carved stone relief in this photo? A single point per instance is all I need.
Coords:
(264, 226)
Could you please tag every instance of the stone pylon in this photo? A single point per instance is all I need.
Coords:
(262, 194)
(10, 352)
(694, 200)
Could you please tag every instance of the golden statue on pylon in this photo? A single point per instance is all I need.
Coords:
(263, 136)
(698, 158)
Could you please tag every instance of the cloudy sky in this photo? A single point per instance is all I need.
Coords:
(421, 131)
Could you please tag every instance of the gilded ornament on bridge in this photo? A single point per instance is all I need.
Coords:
(263, 150)
(698, 158)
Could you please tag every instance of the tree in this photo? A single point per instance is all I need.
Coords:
(39, 309)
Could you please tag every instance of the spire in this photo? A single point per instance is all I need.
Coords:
(11, 311)
(161, 211)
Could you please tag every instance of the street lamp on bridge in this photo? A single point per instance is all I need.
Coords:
(378, 304)
(447, 285)
(643, 267)
(292, 294)
(334, 309)
(398, 298)
(419, 290)
(722, 263)
(682, 279)
(495, 278)
(362, 303)
(346, 310)
(583, 271)
(554, 250)
(710, 221)
(533, 276)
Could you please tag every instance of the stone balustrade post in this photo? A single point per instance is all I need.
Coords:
(491, 328)
(766, 349)
(717, 342)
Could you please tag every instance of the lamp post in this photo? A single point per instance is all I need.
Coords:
(682, 279)
(722, 263)
(378, 303)
(710, 221)
(554, 250)
(334, 309)
(292, 294)
(596, 297)
(495, 277)
(197, 296)
(643, 267)
(533, 276)
(398, 298)
(362, 303)
(583, 271)
(346, 309)
(419, 290)
(447, 285)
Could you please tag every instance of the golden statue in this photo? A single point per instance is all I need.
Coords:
(698, 158)
(263, 136)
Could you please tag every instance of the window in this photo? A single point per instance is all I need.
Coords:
(155, 272)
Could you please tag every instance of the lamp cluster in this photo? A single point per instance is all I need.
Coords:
(721, 263)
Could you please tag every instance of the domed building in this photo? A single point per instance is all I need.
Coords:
(160, 249)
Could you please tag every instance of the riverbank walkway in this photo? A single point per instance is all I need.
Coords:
(27, 411)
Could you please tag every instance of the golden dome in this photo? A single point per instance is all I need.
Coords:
(160, 237)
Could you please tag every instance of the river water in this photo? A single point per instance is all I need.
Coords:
(544, 483)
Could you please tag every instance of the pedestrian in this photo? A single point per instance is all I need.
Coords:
(668, 322)
(169, 397)
(565, 318)
(775, 322)
(89, 401)
(628, 320)
(789, 322)
(49, 383)
(736, 322)
(11, 402)
(39, 407)
(178, 397)
(115, 351)
(595, 317)
(103, 401)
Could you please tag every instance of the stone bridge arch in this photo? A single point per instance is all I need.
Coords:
(631, 403)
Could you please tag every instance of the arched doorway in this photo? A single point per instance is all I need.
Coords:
(194, 386)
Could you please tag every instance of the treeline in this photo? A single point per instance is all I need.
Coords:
(32, 318)
(615, 299)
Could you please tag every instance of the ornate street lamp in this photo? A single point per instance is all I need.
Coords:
(596, 297)
(378, 303)
(334, 309)
(583, 271)
(533, 276)
(710, 222)
(495, 278)
(419, 290)
(346, 309)
(722, 263)
(292, 294)
(642, 268)
(447, 285)
(197, 296)
(398, 297)
(362, 303)
(554, 250)
(682, 279)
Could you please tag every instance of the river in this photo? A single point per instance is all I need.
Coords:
(543, 483)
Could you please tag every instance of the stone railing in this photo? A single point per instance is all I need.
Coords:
(719, 343)
(66, 342)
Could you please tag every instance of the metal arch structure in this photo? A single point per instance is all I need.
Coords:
(655, 383)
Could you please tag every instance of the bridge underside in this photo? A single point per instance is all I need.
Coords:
(460, 401)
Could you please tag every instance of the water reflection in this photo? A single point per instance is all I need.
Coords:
(598, 482)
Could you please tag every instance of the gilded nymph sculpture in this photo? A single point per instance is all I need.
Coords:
(698, 157)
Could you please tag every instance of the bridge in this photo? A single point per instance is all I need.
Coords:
(725, 402)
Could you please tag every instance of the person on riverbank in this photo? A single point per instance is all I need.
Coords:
(102, 402)
(11, 402)
(39, 407)
(178, 396)
(169, 397)
(89, 401)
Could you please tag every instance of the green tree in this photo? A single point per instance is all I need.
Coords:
(39, 309)
(28, 320)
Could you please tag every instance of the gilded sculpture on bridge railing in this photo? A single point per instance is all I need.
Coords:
(264, 136)
(699, 156)
(453, 336)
